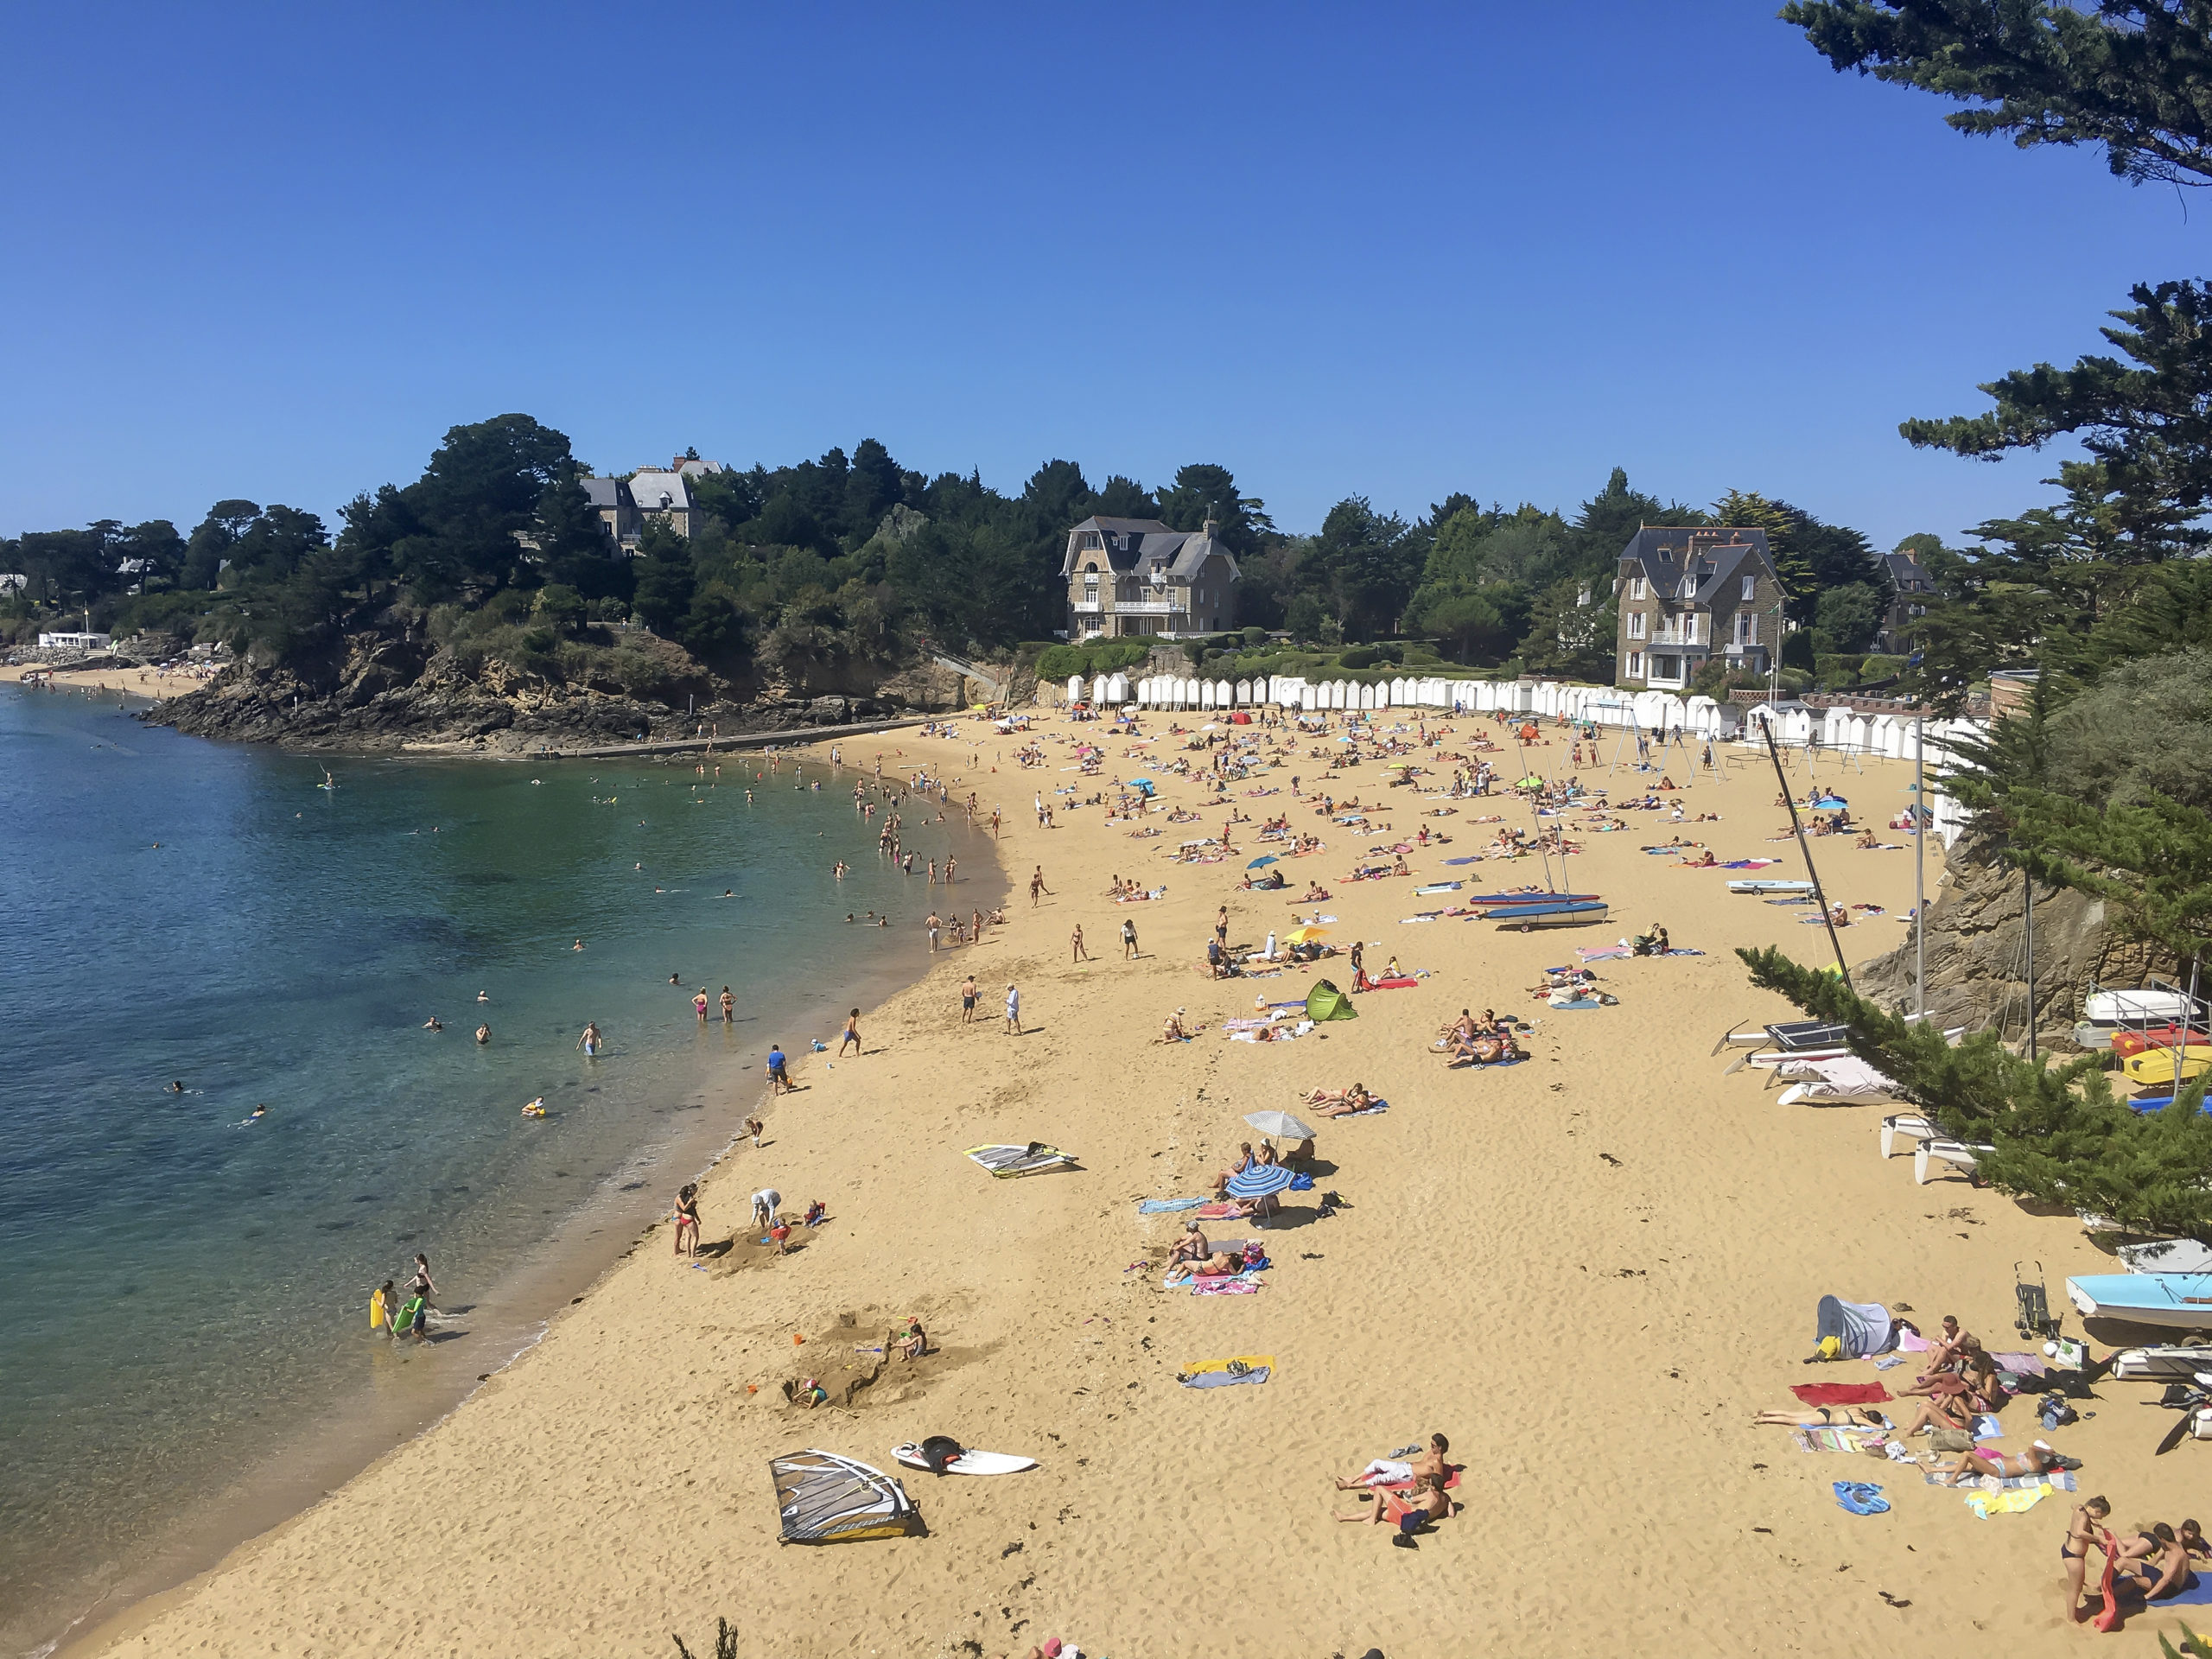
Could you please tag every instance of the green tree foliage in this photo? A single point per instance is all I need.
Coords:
(1363, 566)
(2130, 75)
(1846, 619)
(666, 581)
(1201, 491)
(1572, 627)
(2058, 1132)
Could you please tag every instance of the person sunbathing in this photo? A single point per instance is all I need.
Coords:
(1217, 1266)
(2037, 1459)
(1824, 1417)
(1389, 1471)
(1942, 1411)
(1425, 1505)
(1244, 1161)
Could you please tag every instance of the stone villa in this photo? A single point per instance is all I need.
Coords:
(1136, 576)
(1688, 595)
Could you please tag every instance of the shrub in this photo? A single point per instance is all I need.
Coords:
(1360, 657)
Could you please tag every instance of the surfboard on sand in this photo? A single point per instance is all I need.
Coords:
(1227, 1373)
(1008, 1161)
(970, 1462)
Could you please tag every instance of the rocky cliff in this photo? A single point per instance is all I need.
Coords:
(1978, 958)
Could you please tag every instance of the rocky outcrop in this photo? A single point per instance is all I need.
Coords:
(390, 693)
(1978, 958)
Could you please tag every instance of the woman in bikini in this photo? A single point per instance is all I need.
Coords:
(1824, 1417)
(687, 1220)
(2085, 1529)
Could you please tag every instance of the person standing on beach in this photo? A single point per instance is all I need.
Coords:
(968, 1001)
(1128, 938)
(420, 1283)
(687, 1220)
(994, 823)
(1013, 1011)
(852, 1035)
(1075, 939)
(383, 1307)
(951, 864)
(779, 1077)
(729, 1006)
(699, 1002)
(975, 928)
(932, 922)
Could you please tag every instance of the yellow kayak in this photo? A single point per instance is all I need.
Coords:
(2156, 1064)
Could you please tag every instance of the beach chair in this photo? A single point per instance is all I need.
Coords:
(1905, 1125)
(1955, 1154)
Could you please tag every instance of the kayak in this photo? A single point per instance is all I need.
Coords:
(2131, 1041)
(2169, 1064)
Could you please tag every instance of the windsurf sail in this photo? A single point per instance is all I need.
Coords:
(827, 1499)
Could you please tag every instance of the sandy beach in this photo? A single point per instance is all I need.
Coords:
(1589, 1270)
(136, 682)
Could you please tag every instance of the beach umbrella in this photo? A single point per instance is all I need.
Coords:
(1260, 1181)
(1830, 804)
(1258, 862)
(1282, 1124)
(1139, 780)
(1306, 935)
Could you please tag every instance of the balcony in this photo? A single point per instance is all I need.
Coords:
(1149, 607)
(1085, 607)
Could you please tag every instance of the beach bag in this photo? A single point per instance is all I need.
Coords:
(939, 1451)
(1950, 1439)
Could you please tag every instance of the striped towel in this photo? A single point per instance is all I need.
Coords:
(1835, 1438)
(1243, 1284)
(1166, 1206)
(2061, 1480)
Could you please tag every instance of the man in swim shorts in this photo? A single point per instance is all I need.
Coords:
(779, 1077)
(968, 999)
(1389, 1471)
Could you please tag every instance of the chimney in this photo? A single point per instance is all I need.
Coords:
(1213, 524)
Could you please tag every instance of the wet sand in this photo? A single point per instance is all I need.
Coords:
(1589, 1270)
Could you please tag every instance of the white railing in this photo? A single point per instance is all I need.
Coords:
(1149, 607)
(1087, 607)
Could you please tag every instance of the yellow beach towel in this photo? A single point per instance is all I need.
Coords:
(1985, 1504)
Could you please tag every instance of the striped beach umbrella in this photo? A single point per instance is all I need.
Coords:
(1259, 1182)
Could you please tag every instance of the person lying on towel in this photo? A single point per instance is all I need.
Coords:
(1414, 1513)
(1389, 1471)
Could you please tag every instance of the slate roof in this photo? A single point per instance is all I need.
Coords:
(1911, 576)
(602, 492)
(646, 489)
(1663, 555)
(1134, 545)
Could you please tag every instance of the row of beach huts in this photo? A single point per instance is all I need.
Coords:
(1843, 730)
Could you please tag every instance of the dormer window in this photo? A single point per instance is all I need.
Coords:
(1665, 556)
(1635, 586)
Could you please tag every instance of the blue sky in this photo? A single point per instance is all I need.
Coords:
(275, 251)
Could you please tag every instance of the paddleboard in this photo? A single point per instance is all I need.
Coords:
(1756, 885)
(1008, 1161)
(970, 1462)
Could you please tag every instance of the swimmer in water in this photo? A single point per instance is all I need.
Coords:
(591, 1041)
(483, 996)
(483, 1035)
(176, 1088)
(535, 1107)
(434, 1024)
(674, 979)
(578, 945)
(257, 1114)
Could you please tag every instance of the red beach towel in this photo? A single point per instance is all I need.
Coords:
(1840, 1394)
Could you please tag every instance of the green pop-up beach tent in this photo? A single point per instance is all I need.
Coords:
(1326, 1002)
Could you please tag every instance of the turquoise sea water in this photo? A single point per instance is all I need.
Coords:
(183, 1294)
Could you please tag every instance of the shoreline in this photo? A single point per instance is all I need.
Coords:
(340, 1439)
